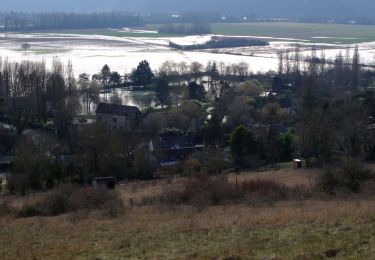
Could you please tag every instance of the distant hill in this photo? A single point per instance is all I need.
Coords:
(325, 9)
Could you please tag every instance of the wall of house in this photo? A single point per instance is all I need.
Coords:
(3, 182)
(116, 122)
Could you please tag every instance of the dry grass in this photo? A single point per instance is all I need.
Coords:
(309, 229)
(289, 178)
(287, 230)
(142, 191)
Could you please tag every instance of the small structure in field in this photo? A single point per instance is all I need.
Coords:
(5, 172)
(3, 182)
(104, 183)
(297, 164)
(118, 117)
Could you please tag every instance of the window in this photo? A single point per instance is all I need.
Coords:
(115, 120)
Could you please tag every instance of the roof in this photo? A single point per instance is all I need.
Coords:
(105, 179)
(177, 142)
(285, 102)
(6, 159)
(114, 109)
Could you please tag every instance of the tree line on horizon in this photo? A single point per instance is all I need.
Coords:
(194, 22)
(50, 21)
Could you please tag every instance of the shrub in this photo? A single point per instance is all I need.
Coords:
(209, 190)
(5, 208)
(58, 204)
(204, 190)
(265, 188)
(211, 160)
(29, 211)
(349, 177)
(69, 198)
(191, 167)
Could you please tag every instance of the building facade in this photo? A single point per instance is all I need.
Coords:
(118, 117)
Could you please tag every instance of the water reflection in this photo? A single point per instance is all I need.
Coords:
(140, 99)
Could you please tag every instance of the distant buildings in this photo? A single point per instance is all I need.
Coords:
(118, 117)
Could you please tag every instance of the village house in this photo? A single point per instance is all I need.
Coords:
(286, 106)
(172, 149)
(118, 117)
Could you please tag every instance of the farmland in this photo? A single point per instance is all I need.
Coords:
(310, 32)
(321, 33)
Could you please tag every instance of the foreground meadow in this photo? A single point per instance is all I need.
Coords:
(317, 228)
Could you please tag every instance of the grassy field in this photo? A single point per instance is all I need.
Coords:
(306, 229)
(303, 31)
(293, 230)
(325, 33)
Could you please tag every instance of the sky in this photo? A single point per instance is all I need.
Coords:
(264, 8)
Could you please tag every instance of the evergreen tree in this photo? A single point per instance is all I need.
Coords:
(244, 147)
(214, 131)
(162, 90)
(196, 91)
(142, 75)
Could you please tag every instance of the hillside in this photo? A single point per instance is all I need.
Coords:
(292, 229)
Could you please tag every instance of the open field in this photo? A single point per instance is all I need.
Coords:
(326, 33)
(319, 33)
(309, 32)
(290, 178)
(309, 229)
(293, 230)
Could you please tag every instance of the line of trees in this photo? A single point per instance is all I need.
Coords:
(51, 21)
(32, 95)
(186, 29)
(221, 42)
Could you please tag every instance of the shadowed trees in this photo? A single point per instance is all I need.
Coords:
(32, 95)
(244, 147)
(142, 75)
(46, 21)
(162, 91)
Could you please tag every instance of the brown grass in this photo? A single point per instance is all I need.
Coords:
(289, 178)
(142, 191)
(288, 229)
(307, 229)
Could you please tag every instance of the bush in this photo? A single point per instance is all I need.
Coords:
(210, 190)
(265, 188)
(28, 211)
(5, 208)
(349, 177)
(191, 167)
(212, 160)
(204, 190)
(69, 198)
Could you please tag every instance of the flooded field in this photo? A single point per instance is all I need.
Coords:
(89, 53)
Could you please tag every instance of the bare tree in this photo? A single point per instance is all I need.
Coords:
(280, 56)
(25, 46)
(355, 68)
